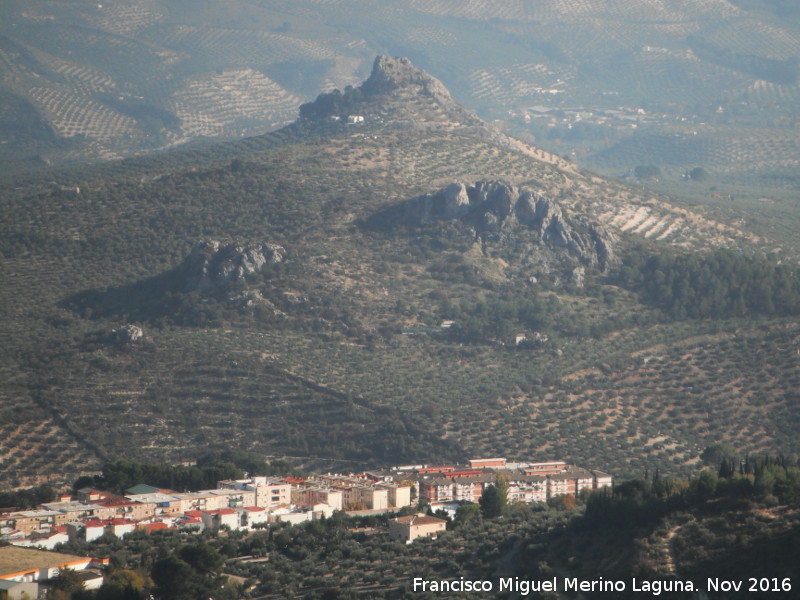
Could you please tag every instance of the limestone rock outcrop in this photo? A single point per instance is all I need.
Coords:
(503, 214)
(212, 264)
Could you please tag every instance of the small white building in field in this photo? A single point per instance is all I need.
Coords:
(412, 527)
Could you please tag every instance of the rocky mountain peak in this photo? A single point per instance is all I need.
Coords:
(401, 95)
(392, 74)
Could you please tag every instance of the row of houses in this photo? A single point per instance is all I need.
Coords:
(101, 506)
(237, 504)
(526, 482)
(256, 502)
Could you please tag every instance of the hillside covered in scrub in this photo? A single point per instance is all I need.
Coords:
(327, 293)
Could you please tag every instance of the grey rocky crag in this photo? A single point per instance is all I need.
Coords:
(399, 94)
(502, 216)
(212, 264)
(390, 74)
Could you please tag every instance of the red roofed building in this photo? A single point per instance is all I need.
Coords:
(463, 473)
(120, 527)
(151, 527)
(129, 508)
(254, 515)
(434, 470)
(50, 539)
(86, 531)
(221, 517)
(294, 480)
(546, 468)
(437, 489)
(487, 463)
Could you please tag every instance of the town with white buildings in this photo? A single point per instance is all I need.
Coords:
(259, 502)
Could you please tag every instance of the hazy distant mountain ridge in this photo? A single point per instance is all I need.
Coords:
(695, 68)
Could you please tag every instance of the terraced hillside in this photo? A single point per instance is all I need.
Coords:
(611, 83)
(336, 352)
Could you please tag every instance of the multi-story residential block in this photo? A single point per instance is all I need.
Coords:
(163, 504)
(30, 521)
(311, 494)
(75, 511)
(362, 492)
(399, 495)
(531, 482)
(583, 480)
(128, 509)
(527, 488)
(219, 517)
(601, 480)
(86, 531)
(216, 499)
(470, 488)
(268, 493)
(560, 485)
(436, 489)
(455, 487)
(366, 496)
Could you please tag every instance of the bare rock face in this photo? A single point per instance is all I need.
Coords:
(211, 264)
(391, 74)
(456, 201)
(505, 216)
(407, 96)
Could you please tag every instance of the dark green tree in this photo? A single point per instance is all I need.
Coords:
(175, 579)
(66, 584)
(697, 174)
(494, 499)
(201, 557)
(124, 584)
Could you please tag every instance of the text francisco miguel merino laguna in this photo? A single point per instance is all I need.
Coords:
(574, 584)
